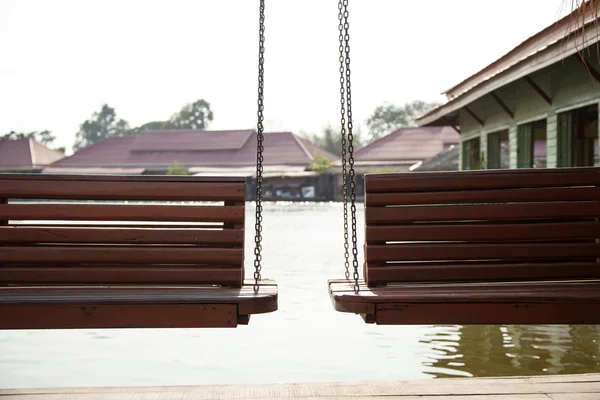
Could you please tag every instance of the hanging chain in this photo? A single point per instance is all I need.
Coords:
(259, 148)
(350, 147)
(343, 134)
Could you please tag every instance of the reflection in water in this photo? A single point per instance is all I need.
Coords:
(483, 350)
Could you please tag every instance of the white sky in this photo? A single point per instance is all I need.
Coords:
(61, 59)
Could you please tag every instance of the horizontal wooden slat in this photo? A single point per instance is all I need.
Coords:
(480, 292)
(108, 188)
(478, 272)
(488, 314)
(87, 212)
(119, 255)
(106, 274)
(391, 215)
(134, 294)
(525, 178)
(425, 252)
(93, 316)
(51, 234)
(480, 233)
(483, 196)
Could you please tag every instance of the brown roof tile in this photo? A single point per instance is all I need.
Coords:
(408, 144)
(25, 154)
(194, 148)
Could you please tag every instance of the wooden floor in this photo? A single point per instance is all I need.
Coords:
(560, 387)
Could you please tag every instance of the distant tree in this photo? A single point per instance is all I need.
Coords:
(196, 115)
(320, 164)
(389, 117)
(45, 138)
(176, 168)
(331, 140)
(101, 125)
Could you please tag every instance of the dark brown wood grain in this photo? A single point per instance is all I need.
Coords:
(482, 232)
(121, 188)
(228, 275)
(104, 316)
(120, 254)
(549, 194)
(118, 212)
(485, 179)
(392, 215)
(111, 235)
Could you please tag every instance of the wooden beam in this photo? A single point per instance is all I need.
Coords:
(503, 105)
(538, 89)
(451, 124)
(591, 70)
(474, 116)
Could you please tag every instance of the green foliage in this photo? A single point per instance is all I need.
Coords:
(101, 125)
(176, 168)
(196, 115)
(320, 164)
(331, 140)
(389, 117)
(45, 138)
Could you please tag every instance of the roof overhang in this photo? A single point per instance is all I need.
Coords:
(557, 42)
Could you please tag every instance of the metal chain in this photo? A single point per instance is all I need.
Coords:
(259, 148)
(351, 147)
(343, 134)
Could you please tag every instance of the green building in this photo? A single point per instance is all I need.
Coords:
(540, 101)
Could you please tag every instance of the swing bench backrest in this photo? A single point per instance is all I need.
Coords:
(482, 226)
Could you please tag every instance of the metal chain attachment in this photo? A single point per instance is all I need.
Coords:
(343, 134)
(259, 148)
(345, 43)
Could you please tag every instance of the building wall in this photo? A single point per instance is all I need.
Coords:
(568, 84)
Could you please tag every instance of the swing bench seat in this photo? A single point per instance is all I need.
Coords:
(84, 252)
(479, 247)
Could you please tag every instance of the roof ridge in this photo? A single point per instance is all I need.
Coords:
(31, 152)
(303, 147)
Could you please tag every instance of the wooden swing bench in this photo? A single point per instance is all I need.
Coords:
(479, 247)
(125, 265)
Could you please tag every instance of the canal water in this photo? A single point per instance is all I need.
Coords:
(306, 340)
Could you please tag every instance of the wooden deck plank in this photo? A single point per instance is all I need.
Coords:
(561, 387)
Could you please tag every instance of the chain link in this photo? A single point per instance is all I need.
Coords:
(343, 134)
(350, 146)
(259, 149)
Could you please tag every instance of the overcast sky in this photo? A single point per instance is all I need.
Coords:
(61, 59)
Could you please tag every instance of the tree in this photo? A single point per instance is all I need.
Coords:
(100, 126)
(45, 138)
(176, 168)
(196, 115)
(320, 164)
(331, 140)
(389, 117)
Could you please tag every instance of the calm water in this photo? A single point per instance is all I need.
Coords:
(306, 340)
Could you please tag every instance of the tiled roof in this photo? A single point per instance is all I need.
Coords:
(408, 145)
(26, 154)
(158, 149)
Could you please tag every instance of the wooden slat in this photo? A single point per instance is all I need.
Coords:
(99, 234)
(87, 212)
(479, 272)
(93, 316)
(119, 255)
(430, 252)
(478, 292)
(135, 294)
(120, 188)
(391, 215)
(466, 180)
(483, 196)
(488, 313)
(482, 233)
(119, 274)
